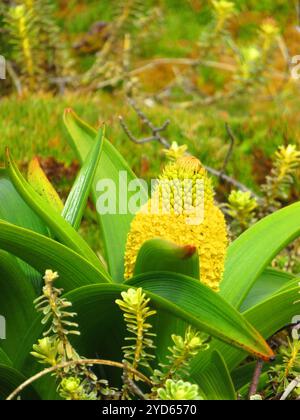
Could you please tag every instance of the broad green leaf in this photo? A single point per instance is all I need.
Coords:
(216, 383)
(43, 253)
(62, 229)
(13, 209)
(113, 167)
(16, 303)
(41, 184)
(268, 317)
(161, 255)
(10, 379)
(253, 251)
(4, 359)
(242, 375)
(78, 197)
(199, 305)
(269, 282)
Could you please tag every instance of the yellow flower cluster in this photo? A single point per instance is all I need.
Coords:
(209, 236)
(270, 28)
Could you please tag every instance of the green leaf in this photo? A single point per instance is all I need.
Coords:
(216, 383)
(13, 209)
(41, 184)
(253, 251)
(269, 282)
(115, 227)
(16, 303)
(10, 379)
(4, 359)
(65, 233)
(43, 253)
(268, 317)
(78, 197)
(161, 255)
(206, 310)
(97, 311)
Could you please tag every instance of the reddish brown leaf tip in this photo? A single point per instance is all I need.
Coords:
(69, 111)
(189, 251)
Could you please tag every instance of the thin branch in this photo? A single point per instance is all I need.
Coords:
(183, 62)
(298, 12)
(256, 378)
(189, 62)
(45, 372)
(156, 136)
(131, 135)
(130, 385)
(166, 61)
(230, 150)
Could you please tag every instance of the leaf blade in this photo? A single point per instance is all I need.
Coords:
(10, 379)
(13, 209)
(44, 253)
(160, 255)
(205, 309)
(111, 165)
(16, 303)
(269, 282)
(78, 197)
(41, 184)
(56, 223)
(253, 251)
(216, 383)
(264, 318)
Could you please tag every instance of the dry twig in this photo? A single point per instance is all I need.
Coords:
(294, 384)
(256, 378)
(157, 136)
(230, 150)
(52, 369)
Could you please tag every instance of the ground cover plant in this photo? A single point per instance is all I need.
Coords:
(149, 200)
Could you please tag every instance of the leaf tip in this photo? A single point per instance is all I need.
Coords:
(7, 156)
(188, 251)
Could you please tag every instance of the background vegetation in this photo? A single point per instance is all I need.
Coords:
(216, 78)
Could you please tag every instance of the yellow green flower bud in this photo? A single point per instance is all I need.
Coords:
(182, 210)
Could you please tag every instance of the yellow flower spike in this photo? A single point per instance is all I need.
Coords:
(208, 234)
